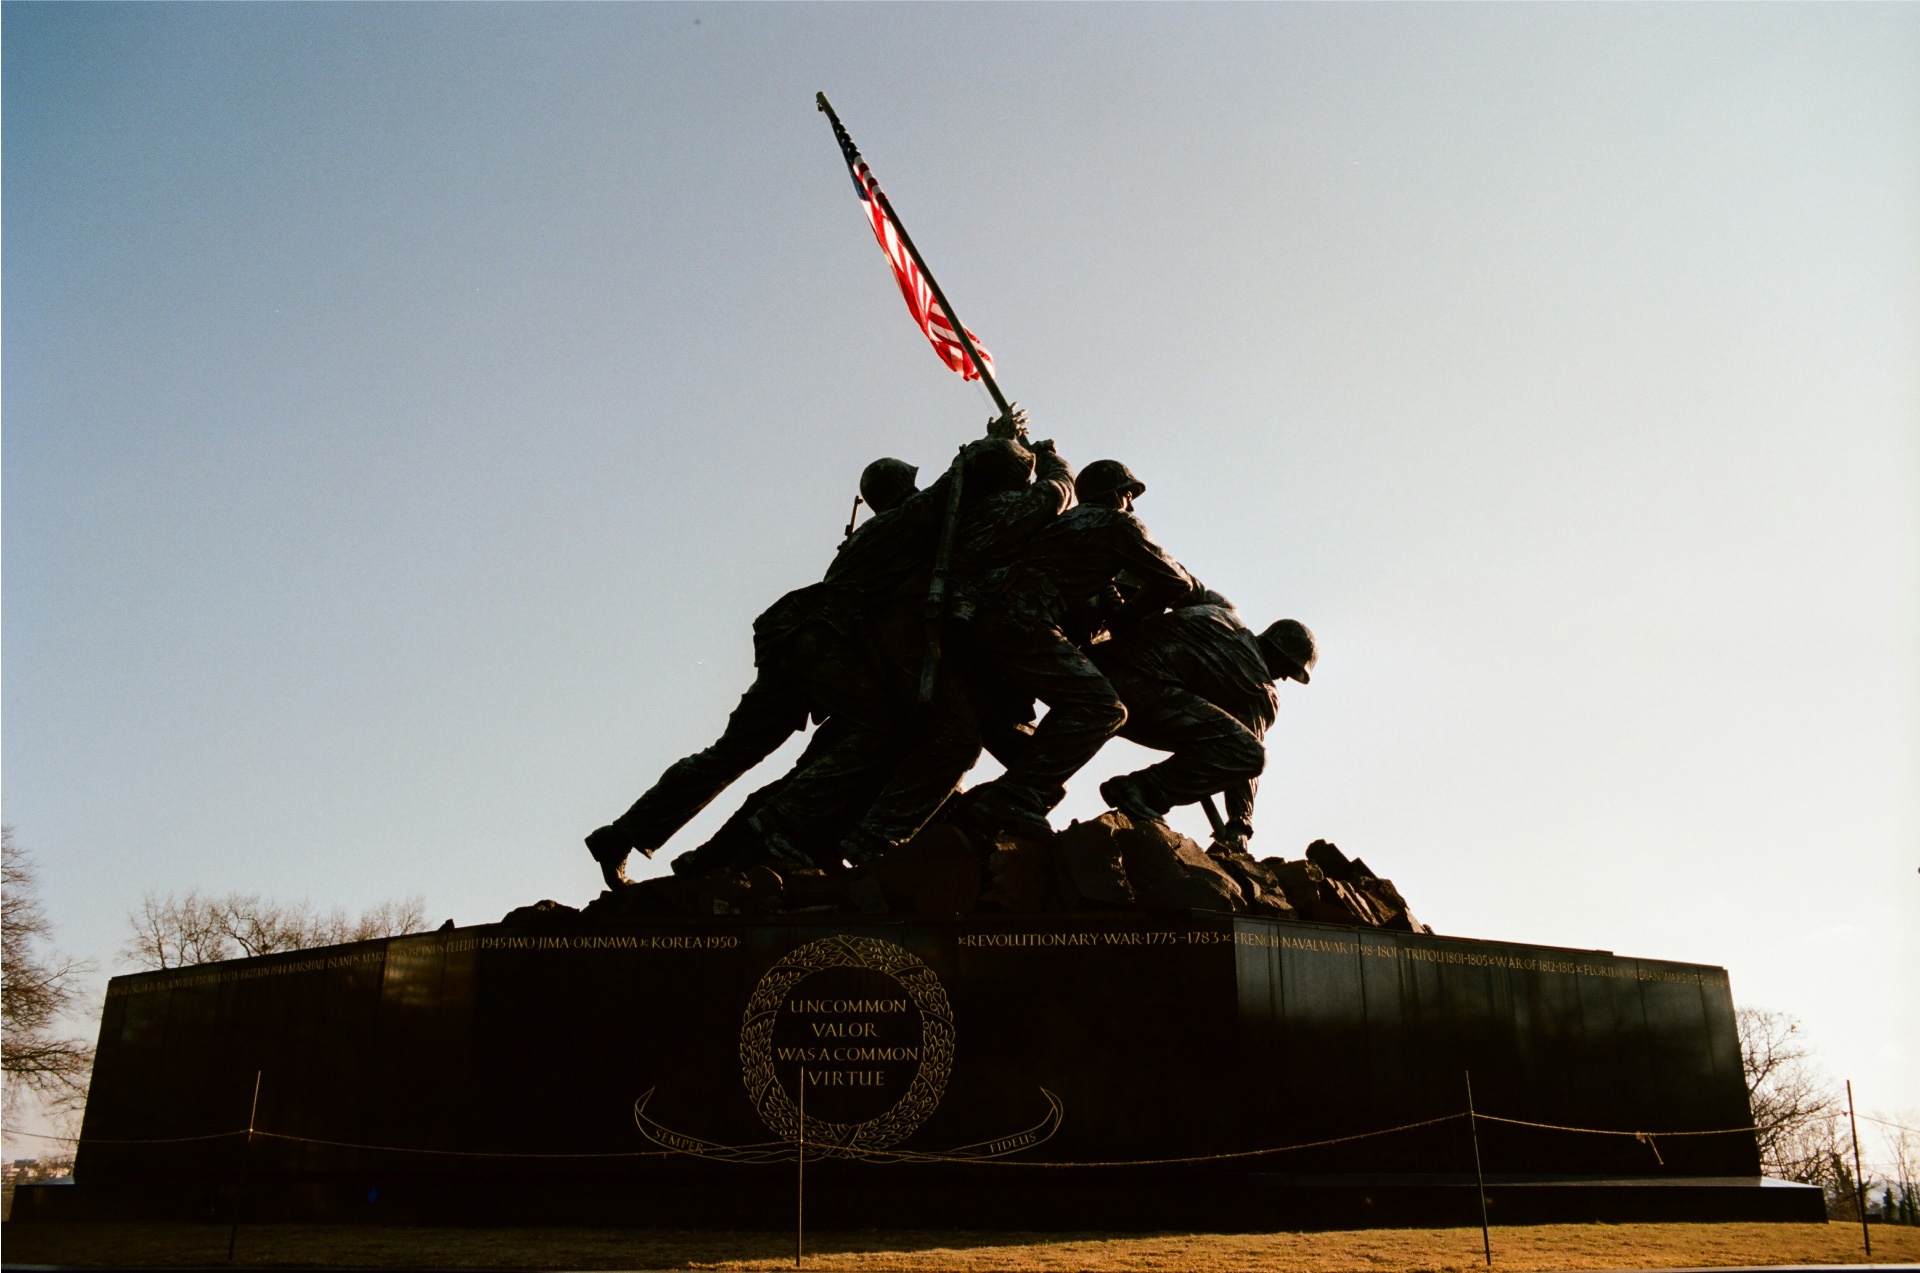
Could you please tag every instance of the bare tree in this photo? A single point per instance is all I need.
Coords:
(1798, 1111)
(36, 987)
(1902, 1146)
(170, 933)
(174, 932)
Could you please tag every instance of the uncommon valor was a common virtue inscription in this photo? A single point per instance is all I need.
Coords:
(865, 1029)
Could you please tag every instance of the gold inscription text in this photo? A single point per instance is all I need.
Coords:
(1625, 969)
(819, 1007)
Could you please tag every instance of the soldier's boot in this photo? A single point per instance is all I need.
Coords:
(992, 808)
(778, 844)
(691, 863)
(863, 845)
(610, 848)
(1133, 795)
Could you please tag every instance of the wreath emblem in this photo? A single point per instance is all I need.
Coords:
(770, 1099)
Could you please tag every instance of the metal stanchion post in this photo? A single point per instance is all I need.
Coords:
(1479, 1180)
(1859, 1181)
(246, 1160)
(800, 1174)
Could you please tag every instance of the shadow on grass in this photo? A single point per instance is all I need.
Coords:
(160, 1245)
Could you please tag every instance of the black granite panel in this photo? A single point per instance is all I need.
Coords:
(1072, 1039)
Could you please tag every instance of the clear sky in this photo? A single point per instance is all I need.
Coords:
(408, 408)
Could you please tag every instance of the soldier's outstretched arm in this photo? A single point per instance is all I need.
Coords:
(1052, 477)
(1166, 581)
(995, 528)
(1206, 597)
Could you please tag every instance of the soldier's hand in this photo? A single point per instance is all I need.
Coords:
(1044, 444)
(1012, 426)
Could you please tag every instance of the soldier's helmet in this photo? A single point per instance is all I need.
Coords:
(1291, 649)
(885, 483)
(1103, 477)
(996, 466)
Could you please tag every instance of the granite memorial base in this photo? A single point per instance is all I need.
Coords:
(1117, 1071)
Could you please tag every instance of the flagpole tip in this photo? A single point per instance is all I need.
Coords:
(820, 102)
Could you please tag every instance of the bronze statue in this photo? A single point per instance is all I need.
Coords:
(1198, 683)
(1025, 591)
(806, 665)
(933, 633)
(1012, 504)
(1031, 621)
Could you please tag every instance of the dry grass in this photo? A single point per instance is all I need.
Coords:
(1559, 1246)
(1377, 1250)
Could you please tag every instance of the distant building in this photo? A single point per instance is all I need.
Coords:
(30, 1171)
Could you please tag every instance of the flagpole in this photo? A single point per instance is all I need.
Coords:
(906, 240)
(937, 586)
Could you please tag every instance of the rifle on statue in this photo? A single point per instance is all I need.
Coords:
(956, 346)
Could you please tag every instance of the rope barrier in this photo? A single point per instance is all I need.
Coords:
(347, 1144)
(911, 1156)
(1645, 1138)
(157, 1140)
(1613, 1131)
(907, 1155)
(457, 1153)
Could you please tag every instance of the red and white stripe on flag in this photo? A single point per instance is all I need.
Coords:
(926, 310)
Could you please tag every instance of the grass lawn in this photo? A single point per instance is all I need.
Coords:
(1557, 1246)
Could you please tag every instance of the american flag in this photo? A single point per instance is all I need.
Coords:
(921, 302)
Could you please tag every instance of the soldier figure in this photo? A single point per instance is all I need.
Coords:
(894, 637)
(1199, 684)
(1011, 510)
(803, 666)
(1032, 619)
(886, 618)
